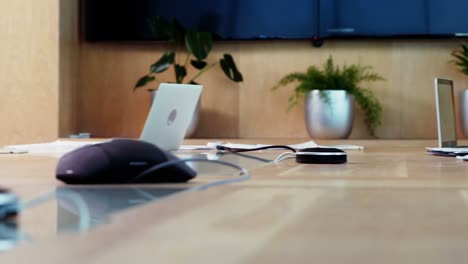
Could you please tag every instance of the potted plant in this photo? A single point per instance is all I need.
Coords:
(330, 93)
(187, 48)
(460, 56)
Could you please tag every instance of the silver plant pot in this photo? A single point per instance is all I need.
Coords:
(464, 111)
(195, 118)
(329, 121)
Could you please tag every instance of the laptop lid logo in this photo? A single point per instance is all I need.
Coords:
(172, 117)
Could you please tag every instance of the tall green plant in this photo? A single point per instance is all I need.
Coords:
(195, 45)
(332, 77)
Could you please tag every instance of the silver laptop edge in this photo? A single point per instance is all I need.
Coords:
(442, 137)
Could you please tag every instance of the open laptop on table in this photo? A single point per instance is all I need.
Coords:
(170, 114)
(446, 120)
(167, 122)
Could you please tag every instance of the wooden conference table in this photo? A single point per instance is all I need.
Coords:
(391, 203)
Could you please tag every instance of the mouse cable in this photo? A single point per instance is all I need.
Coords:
(283, 156)
(234, 150)
(242, 171)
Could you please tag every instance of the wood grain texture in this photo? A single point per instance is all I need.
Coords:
(29, 71)
(57, 84)
(390, 203)
(109, 107)
(68, 65)
(407, 95)
(250, 109)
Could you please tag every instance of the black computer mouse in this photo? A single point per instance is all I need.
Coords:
(120, 161)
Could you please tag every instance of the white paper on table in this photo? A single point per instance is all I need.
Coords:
(448, 150)
(63, 146)
(308, 144)
(58, 146)
(194, 147)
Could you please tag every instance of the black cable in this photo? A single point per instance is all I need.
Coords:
(177, 161)
(234, 150)
(249, 157)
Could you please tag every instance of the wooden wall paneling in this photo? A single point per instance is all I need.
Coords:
(220, 97)
(29, 71)
(263, 112)
(107, 104)
(419, 62)
(108, 107)
(68, 65)
(250, 109)
(46, 74)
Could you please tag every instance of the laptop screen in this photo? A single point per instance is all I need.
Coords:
(446, 124)
(170, 114)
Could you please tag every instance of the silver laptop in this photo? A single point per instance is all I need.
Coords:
(446, 120)
(445, 108)
(170, 114)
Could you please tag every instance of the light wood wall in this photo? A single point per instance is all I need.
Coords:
(29, 55)
(53, 83)
(108, 107)
(39, 64)
(68, 68)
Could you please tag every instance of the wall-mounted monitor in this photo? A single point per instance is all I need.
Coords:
(396, 18)
(127, 20)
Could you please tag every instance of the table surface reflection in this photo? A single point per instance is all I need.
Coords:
(391, 202)
(79, 209)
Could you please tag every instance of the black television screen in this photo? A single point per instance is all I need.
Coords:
(374, 18)
(127, 20)
(110, 20)
(448, 17)
(396, 18)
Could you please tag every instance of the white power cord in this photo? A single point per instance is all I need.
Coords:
(283, 156)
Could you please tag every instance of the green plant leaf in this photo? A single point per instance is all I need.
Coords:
(169, 30)
(143, 81)
(159, 27)
(198, 43)
(290, 78)
(166, 60)
(461, 58)
(181, 72)
(371, 108)
(465, 48)
(198, 64)
(230, 69)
